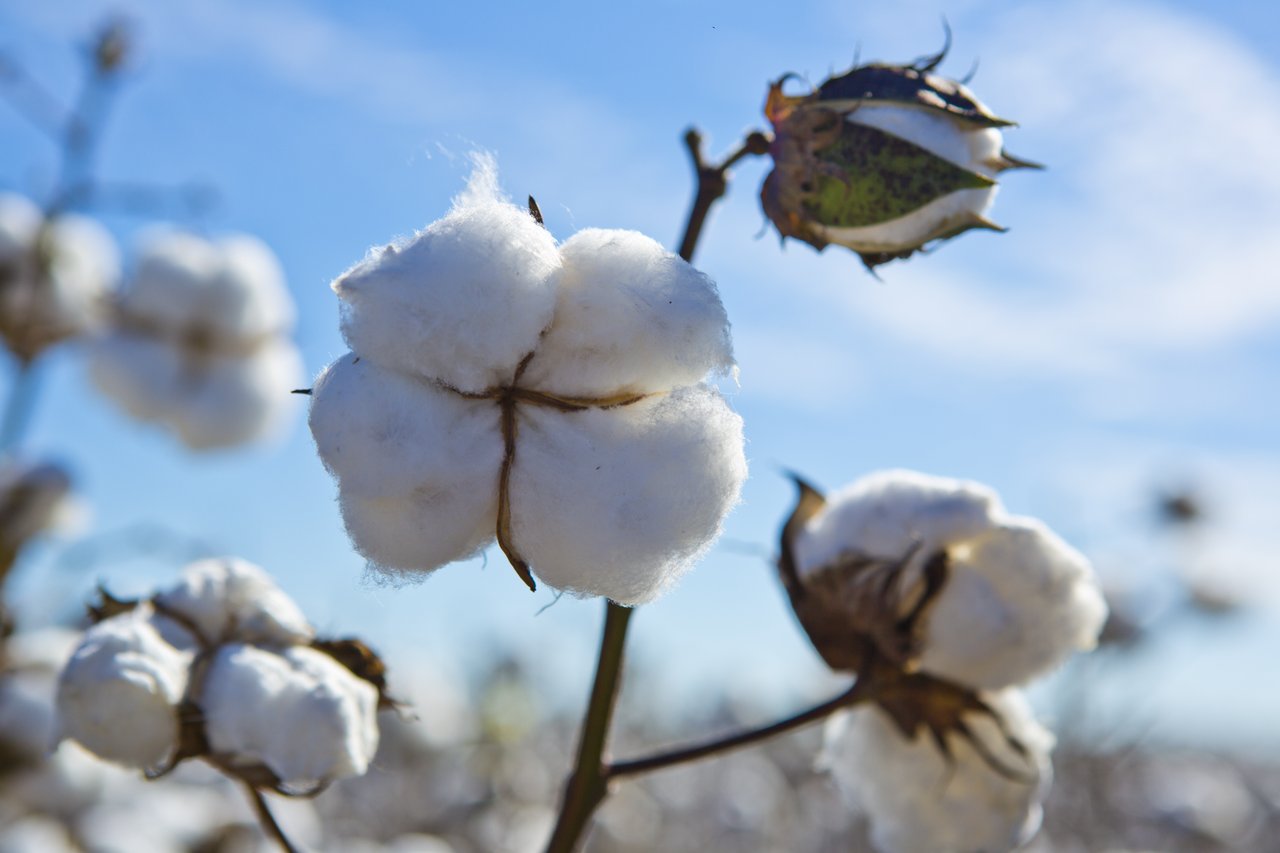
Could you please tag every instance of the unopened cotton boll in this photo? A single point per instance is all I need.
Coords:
(118, 694)
(199, 340)
(231, 600)
(918, 801)
(295, 710)
(54, 275)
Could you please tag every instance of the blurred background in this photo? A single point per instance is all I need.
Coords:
(1108, 365)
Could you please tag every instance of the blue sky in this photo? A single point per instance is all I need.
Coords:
(1121, 337)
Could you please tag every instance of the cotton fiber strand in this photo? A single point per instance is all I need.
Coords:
(296, 710)
(918, 802)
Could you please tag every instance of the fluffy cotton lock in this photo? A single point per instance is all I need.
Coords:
(918, 801)
(295, 710)
(1017, 600)
(55, 275)
(118, 694)
(551, 397)
(225, 599)
(199, 340)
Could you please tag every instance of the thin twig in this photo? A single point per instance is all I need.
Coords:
(713, 182)
(19, 405)
(588, 785)
(684, 755)
(268, 821)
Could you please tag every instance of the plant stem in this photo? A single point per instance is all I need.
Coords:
(713, 183)
(684, 755)
(588, 785)
(268, 820)
(18, 406)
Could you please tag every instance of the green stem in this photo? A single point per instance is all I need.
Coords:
(684, 755)
(18, 407)
(588, 785)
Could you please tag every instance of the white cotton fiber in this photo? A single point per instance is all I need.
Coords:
(1019, 602)
(119, 692)
(199, 341)
(462, 301)
(296, 710)
(917, 802)
(385, 434)
(424, 529)
(231, 600)
(211, 401)
(882, 515)
(967, 145)
(620, 502)
(43, 301)
(630, 317)
(233, 289)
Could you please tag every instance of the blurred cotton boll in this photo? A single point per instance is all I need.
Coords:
(295, 710)
(883, 159)
(55, 276)
(920, 801)
(199, 340)
(935, 574)
(223, 666)
(33, 499)
(549, 397)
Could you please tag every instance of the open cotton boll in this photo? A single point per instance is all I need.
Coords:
(383, 433)
(228, 599)
(296, 710)
(630, 317)
(919, 802)
(620, 502)
(140, 374)
(883, 515)
(119, 692)
(19, 221)
(1019, 601)
(171, 278)
(462, 301)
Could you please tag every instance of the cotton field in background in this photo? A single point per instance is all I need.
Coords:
(456, 240)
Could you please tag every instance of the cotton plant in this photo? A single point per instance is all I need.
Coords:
(224, 667)
(56, 274)
(943, 604)
(551, 397)
(198, 340)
